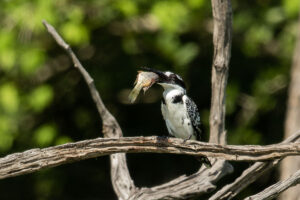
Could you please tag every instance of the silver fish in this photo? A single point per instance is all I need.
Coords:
(144, 80)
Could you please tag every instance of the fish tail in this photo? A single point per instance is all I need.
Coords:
(134, 93)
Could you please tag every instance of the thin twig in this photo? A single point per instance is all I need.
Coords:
(88, 79)
(274, 190)
(36, 159)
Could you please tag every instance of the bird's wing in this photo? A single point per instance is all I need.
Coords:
(193, 114)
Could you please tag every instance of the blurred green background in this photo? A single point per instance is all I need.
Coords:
(45, 102)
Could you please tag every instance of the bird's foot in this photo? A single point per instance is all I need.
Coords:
(162, 139)
(184, 140)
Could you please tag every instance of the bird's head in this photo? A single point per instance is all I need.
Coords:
(168, 80)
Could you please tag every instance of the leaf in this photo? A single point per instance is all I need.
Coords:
(40, 97)
(31, 60)
(75, 33)
(45, 135)
(9, 97)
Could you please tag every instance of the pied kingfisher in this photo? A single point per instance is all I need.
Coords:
(179, 111)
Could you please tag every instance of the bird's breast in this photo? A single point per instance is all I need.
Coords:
(177, 119)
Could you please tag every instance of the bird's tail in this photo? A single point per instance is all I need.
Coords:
(204, 160)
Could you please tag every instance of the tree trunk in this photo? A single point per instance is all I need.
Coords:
(292, 164)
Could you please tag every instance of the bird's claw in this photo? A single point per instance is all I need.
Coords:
(184, 140)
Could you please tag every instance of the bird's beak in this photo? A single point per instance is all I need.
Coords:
(162, 78)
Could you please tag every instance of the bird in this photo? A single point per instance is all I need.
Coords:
(179, 111)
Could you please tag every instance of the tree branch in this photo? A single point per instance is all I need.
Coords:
(276, 189)
(290, 166)
(249, 175)
(121, 180)
(185, 187)
(222, 14)
(36, 159)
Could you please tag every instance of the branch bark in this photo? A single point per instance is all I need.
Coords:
(274, 190)
(249, 175)
(36, 159)
(121, 180)
(288, 165)
(222, 39)
(222, 14)
(186, 187)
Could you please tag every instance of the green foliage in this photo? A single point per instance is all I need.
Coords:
(291, 7)
(244, 135)
(74, 31)
(45, 135)
(7, 51)
(196, 4)
(40, 97)
(173, 16)
(6, 133)
(31, 60)
(127, 8)
(256, 36)
(9, 98)
(232, 94)
(63, 140)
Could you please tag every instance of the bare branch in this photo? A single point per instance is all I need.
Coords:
(290, 166)
(121, 180)
(249, 175)
(105, 115)
(35, 159)
(185, 187)
(222, 13)
(276, 189)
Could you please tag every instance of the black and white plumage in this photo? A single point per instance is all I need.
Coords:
(179, 111)
(181, 114)
(193, 112)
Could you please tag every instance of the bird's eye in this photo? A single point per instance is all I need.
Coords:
(172, 76)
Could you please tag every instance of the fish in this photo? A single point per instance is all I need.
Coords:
(144, 80)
